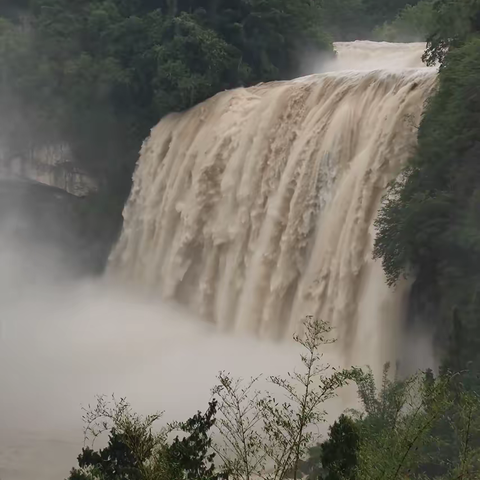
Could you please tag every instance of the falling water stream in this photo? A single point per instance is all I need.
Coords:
(247, 213)
(256, 208)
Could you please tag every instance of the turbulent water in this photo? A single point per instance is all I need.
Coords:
(256, 208)
(253, 210)
(367, 55)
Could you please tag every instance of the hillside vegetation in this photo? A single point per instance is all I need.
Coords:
(429, 227)
(99, 74)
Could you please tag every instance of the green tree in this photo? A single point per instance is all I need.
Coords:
(136, 452)
(340, 451)
(346, 20)
(413, 23)
(420, 428)
(262, 429)
(381, 11)
(98, 74)
(191, 457)
(429, 225)
(337, 457)
(456, 21)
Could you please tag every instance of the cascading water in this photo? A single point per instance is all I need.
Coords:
(256, 208)
(368, 55)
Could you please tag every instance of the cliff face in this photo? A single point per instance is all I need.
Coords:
(53, 166)
(41, 229)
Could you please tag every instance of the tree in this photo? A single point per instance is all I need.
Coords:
(381, 11)
(136, 452)
(98, 74)
(195, 62)
(429, 225)
(191, 457)
(337, 457)
(239, 424)
(346, 20)
(274, 428)
(340, 451)
(287, 424)
(456, 22)
(413, 23)
(422, 427)
(397, 424)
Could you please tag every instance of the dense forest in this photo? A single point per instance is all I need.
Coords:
(98, 74)
(429, 226)
(419, 427)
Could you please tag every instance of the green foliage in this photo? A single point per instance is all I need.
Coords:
(337, 457)
(103, 72)
(136, 452)
(98, 74)
(288, 424)
(456, 22)
(114, 462)
(346, 20)
(420, 428)
(259, 429)
(311, 467)
(340, 451)
(444, 24)
(382, 11)
(193, 62)
(413, 23)
(429, 225)
(266, 435)
(398, 422)
(241, 448)
(260, 436)
(191, 457)
(12, 8)
(432, 432)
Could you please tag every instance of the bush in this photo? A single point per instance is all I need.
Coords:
(413, 24)
(429, 225)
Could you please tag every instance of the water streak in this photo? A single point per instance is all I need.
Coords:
(256, 207)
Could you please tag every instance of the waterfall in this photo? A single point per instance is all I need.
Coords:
(256, 207)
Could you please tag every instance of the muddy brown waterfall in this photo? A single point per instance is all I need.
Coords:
(256, 207)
